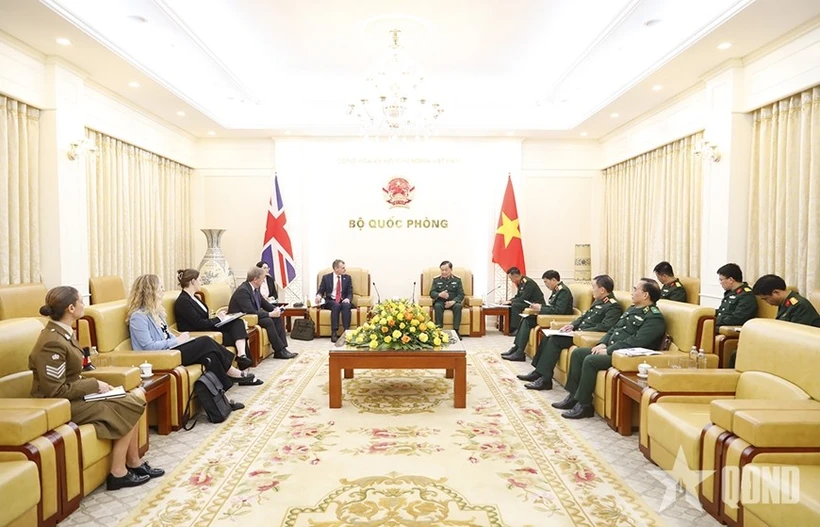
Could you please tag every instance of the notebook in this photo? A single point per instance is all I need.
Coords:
(228, 319)
(113, 393)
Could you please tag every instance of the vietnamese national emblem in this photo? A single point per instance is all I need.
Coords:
(398, 192)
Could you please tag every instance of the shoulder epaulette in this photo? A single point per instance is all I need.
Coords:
(605, 300)
(740, 290)
(792, 301)
(558, 287)
(646, 309)
(656, 310)
(748, 289)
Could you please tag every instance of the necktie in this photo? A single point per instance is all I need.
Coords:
(256, 299)
(338, 289)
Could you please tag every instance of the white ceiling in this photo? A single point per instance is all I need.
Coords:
(528, 68)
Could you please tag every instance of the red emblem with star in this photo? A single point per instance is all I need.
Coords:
(398, 192)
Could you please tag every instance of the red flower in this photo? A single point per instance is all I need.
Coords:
(527, 469)
(201, 480)
(587, 477)
(515, 483)
(258, 472)
(272, 485)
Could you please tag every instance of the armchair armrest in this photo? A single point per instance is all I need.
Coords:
(216, 335)
(694, 381)
(587, 339)
(730, 331)
(362, 301)
(778, 428)
(473, 301)
(426, 301)
(546, 321)
(19, 426)
(160, 360)
(722, 411)
(58, 411)
(125, 376)
(251, 320)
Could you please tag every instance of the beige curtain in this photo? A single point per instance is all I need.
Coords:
(139, 212)
(19, 192)
(784, 191)
(652, 212)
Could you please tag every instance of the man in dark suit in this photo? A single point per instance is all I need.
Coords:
(248, 299)
(336, 289)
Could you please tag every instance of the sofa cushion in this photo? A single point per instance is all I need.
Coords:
(94, 449)
(762, 385)
(778, 428)
(19, 426)
(110, 325)
(21, 300)
(800, 509)
(722, 411)
(20, 488)
(678, 425)
(17, 339)
(106, 289)
(682, 322)
(57, 411)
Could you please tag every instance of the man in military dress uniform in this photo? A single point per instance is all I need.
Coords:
(671, 288)
(447, 292)
(642, 326)
(528, 291)
(738, 304)
(791, 306)
(560, 303)
(601, 316)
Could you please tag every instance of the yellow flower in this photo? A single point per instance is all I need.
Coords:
(412, 329)
(402, 325)
(373, 336)
(436, 341)
(431, 325)
(414, 322)
(396, 334)
(445, 338)
(387, 339)
(360, 339)
(423, 337)
(373, 343)
(420, 317)
(384, 329)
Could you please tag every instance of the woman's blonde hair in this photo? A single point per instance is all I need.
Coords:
(144, 296)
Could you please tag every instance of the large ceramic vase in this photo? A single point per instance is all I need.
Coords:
(583, 263)
(214, 268)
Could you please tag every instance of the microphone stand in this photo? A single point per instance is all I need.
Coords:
(413, 295)
(378, 296)
(489, 292)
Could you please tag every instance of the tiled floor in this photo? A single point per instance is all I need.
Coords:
(105, 509)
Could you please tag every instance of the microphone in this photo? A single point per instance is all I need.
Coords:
(413, 295)
(484, 297)
(378, 296)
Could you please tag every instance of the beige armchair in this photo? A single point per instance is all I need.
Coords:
(692, 287)
(471, 313)
(106, 289)
(218, 296)
(361, 302)
(581, 301)
(25, 300)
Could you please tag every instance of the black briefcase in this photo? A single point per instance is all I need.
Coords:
(302, 329)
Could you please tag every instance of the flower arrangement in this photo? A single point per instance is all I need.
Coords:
(398, 325)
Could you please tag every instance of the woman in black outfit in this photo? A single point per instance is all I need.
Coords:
(268, 288)
(192, 315)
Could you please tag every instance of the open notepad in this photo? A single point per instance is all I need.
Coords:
(637, 352)
(228, 319)
(113, 393)
(552, 332)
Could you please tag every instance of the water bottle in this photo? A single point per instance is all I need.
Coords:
(701, 359)
(693, 357)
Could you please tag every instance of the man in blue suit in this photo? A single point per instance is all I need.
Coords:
(336, 289)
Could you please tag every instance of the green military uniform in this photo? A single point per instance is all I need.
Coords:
(455, 289)
(673, 291)
(529, 291)
(560, 303)
(798, 310)
(639, 327)
(602, 315)
(738, 306)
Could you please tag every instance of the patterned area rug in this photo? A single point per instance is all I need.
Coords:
(396, 454)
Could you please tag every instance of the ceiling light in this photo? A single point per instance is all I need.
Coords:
(652, 23)
(211, 132)
(138, 19)
(63, 41)
(584, 134)
(614, 115)
(725, 45)
(134, 84)
(181, 113)
(393, 103)
(657, 87)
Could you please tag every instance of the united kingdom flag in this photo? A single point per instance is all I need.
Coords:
(277, 251)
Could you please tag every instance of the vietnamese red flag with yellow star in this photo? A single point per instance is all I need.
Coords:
(508, 250)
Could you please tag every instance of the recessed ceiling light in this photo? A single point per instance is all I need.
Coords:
(657, 87)
(652, 23)
(211, 132)
(614, 115)
(724, 45)
(138, 19)
(134, 84)
(63, 41)
(181, 113)
(583, 134)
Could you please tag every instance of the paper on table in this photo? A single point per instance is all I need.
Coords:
(637, 352)
(228, 319)
(551, 332)
(113, 393)
(497, 305)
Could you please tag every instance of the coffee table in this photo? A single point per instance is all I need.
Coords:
(632, 387)
(503, 314)
(452, 359)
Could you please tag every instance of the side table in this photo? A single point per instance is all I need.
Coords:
(631, 389)
(157, 388)
(503, 314)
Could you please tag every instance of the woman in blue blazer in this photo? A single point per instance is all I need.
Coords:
(149, 331)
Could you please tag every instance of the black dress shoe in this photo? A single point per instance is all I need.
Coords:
(283, 354)
(128, 480)
(518, 356)
(147, 470)
(333, 337)
(243, 362)
(566, 404)
(510, 351)
(579, 411)
(531, 376)
(247, 380)
(539, 384)
(236, 405)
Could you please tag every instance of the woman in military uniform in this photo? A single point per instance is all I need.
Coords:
(57, 362)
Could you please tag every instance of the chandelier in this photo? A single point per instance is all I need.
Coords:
(394, 104)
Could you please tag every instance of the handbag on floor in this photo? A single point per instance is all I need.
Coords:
(211, 396)
(302, 329)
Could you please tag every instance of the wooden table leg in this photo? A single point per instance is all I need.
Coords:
(625, 417)
(348, 373)
(448, 373)
(334, 382)
(460, 383)
(163, 413)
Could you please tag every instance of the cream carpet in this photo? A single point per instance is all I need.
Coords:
(396, 454)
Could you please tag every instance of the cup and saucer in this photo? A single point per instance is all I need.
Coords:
(644, 376)
(146, 371)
